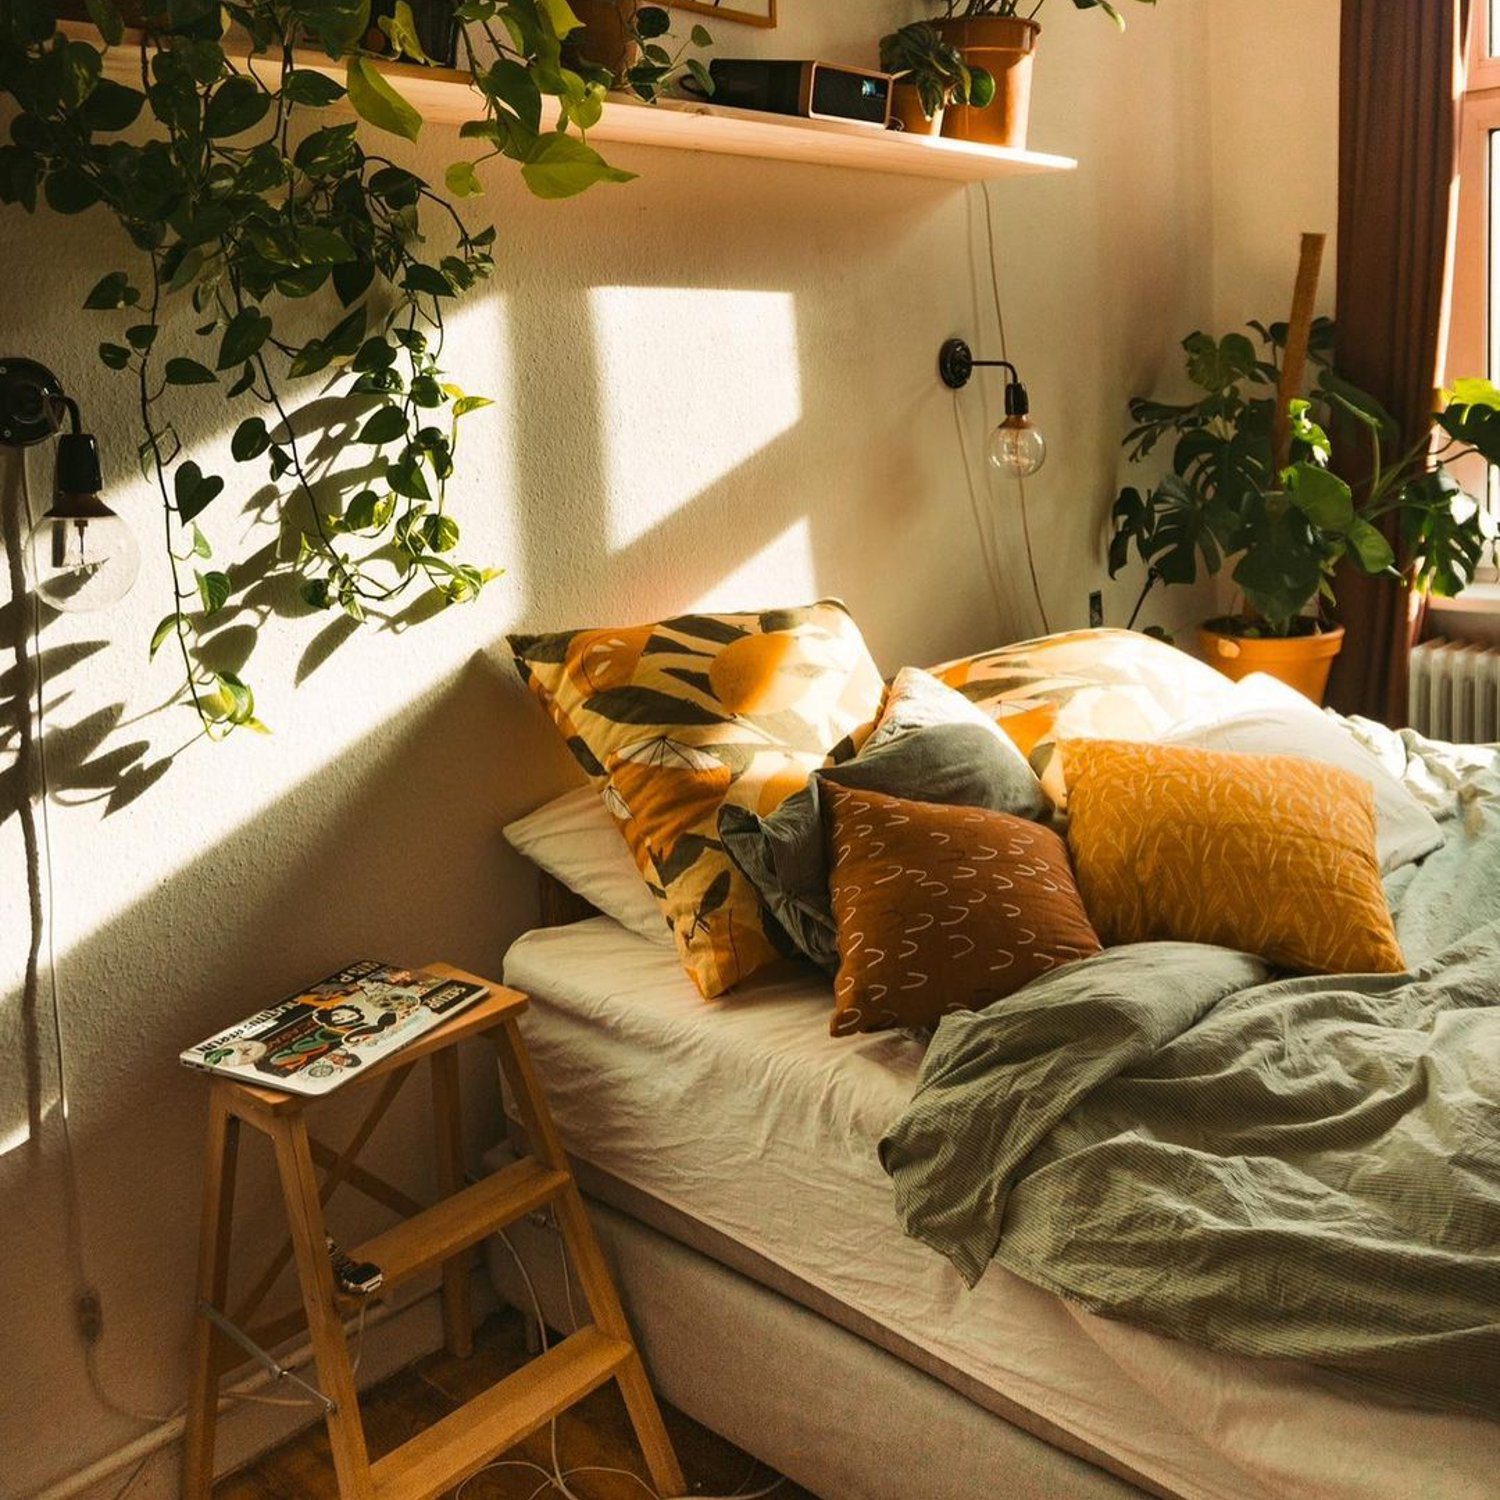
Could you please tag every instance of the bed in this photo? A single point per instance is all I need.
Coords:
(747, 1138)
(733, 1151)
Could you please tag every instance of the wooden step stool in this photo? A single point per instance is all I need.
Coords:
(442, 1235)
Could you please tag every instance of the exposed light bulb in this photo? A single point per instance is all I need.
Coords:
(81, 561)
(1017, 447)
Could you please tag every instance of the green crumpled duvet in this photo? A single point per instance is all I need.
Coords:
(1293, 1169)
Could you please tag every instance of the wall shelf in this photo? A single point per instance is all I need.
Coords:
(447, 96)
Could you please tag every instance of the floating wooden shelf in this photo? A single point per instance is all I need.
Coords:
(447, 96)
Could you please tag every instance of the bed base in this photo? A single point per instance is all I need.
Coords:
(841, 1417)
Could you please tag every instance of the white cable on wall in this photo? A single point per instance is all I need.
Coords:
(989, 225)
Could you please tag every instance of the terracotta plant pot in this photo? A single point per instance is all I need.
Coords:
(1004, 46)
(1301, 661)
(906, 107)
(605, 39)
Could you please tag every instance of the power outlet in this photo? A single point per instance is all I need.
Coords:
(88, 1315)
(1096, 610)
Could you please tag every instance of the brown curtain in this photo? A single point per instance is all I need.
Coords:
(1400, 78)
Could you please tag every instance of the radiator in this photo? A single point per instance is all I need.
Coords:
(1454, 691)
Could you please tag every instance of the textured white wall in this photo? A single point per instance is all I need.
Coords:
(715, 385)
(1275, 123)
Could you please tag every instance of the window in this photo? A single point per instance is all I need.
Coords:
(1474, 338)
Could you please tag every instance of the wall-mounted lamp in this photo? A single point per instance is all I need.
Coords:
(80, 554)
(1015, 445)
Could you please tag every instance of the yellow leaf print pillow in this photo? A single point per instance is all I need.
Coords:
(674, 719)
(1267, 854)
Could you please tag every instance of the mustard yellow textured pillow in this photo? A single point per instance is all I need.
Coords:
(1269, 854)
(673, 719)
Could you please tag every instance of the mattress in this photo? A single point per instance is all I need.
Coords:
(744, 1117)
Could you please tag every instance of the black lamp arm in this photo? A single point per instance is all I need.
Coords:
(956, 364)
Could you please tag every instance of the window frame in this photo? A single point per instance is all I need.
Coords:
(1471, 346)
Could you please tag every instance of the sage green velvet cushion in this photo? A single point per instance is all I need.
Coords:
(962, 763)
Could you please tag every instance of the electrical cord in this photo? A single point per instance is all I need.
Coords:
(989, 225)
(31, 666)
(557, 1479)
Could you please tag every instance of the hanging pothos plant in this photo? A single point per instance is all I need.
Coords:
(238, 207)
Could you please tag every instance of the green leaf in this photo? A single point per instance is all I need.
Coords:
(561, 166)
(401, 27)
(425, 391)
(327, 152)
(200, 543)
(111, 107)
(1322, 497)
(560, 15)
(376, 101)
(700, 37)
(213, 589)
(465, 404)
(235, 106)
(189, 372)
(512, 84)
(163, 632)
(384, 426)
(1369, 548)
(652, 21)
(68, 191)
(405, 477)
(250, 439)
(421, 278)
(440, 533)
(141, 336)
(112, 291)
(368, 510)
(374, 354)
(1216, 365)
(248, 329)
(104, 15)
(307, 86)
(116, 356)
(462, 180)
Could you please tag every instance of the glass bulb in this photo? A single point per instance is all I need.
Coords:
(82, 562)
(1017, 447)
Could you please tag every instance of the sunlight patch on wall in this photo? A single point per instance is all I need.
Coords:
(693, 381)
(781, 572)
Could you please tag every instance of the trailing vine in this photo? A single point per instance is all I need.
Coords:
(243, 203)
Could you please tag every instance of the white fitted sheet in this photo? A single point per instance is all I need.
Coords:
(746, 1115)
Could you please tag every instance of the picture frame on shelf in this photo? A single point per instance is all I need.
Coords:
(747, 12)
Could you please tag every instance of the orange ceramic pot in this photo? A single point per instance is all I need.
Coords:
(1301, 661)
(1004, 47)
(906, 107)
(605, 39)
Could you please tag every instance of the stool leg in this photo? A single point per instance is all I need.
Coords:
(213, 1288)
(458, 1310)
(588, 1260)
(299, 1186)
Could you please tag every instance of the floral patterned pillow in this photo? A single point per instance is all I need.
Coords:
(672, 720)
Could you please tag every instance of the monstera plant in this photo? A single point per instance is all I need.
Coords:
(277, 252)
(1286, 528)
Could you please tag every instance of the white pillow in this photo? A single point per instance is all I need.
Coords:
(1265, 717)
(575, 840)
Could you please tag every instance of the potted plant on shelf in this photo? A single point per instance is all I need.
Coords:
(1000, 36)
(618, 43)
(929, 75)
(1287, 527)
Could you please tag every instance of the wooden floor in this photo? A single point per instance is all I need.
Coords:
(595, 1432)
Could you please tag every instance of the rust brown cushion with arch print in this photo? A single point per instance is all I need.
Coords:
(942, 909)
